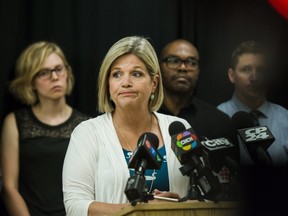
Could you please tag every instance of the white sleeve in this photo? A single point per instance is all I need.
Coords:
(79, 171)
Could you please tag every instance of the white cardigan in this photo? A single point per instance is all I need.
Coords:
(95, 167)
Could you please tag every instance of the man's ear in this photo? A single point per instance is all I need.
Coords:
(231, 75)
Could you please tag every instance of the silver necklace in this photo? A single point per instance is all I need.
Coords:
(130, 149)
(123, 137)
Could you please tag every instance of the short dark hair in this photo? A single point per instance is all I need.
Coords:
(246, 47)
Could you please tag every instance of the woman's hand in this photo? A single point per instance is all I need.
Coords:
(160, 196)
(166, 194)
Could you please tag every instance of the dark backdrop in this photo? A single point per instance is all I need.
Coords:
(86, 29)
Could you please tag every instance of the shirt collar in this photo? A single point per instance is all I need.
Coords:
(239, 105)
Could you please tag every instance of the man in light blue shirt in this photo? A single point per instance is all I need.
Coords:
(249, 75)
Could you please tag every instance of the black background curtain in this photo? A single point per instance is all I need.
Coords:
(86, 29)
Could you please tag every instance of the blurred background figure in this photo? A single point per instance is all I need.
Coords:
(180, 68)
(35, 138)
(250, 74)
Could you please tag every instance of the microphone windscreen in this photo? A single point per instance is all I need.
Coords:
(153, 139)
(146, 149)
(176, 127)
(241, 120)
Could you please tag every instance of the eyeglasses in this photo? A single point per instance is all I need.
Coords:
(174, 62)
(46, 73)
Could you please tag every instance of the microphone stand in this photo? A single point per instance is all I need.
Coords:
(193, 192)
(135, 188)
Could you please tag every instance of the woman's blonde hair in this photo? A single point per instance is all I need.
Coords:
(140, 47)
(28, 65)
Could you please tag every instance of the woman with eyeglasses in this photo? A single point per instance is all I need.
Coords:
(35, 138)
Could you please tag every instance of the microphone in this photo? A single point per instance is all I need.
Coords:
(257, 139)
(184, 142)
(220, 152)
(187, 149)
(145, 156)
(146, 150)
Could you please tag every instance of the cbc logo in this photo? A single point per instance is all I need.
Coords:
(186, 140)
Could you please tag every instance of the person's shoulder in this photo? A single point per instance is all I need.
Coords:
(210, 109)
(81, 114)
(278, 106)
(18, 113)
(204, 104)
(170, 118)
(22, 110)
(84, 127)
(166, 116)
(97, 121)
(11, 118)
(278, 109)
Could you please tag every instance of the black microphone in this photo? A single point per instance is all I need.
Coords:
(187, 149)
(184, 142)
(220, 152)
(257, 139)
(146, 150)
(144, 157)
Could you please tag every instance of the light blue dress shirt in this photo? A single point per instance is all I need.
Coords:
(275, 118)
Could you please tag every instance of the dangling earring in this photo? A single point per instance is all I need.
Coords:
(152, 96)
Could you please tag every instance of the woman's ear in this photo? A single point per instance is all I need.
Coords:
(155, 82)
